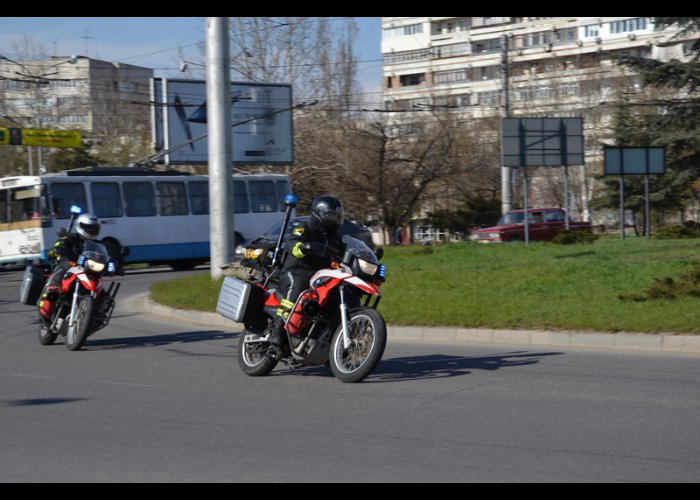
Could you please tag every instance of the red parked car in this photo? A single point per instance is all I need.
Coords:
(544, 225)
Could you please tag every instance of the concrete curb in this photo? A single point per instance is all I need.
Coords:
(661, 342)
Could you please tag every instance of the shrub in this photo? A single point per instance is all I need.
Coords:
(569, 237)
(689, 229)
(667, 288)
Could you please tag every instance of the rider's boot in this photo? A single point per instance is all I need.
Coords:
(275, 335)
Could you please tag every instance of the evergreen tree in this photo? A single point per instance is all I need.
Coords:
(673, 121)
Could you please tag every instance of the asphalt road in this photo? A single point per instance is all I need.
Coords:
(152, 400)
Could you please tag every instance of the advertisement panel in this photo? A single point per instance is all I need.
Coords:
(261, 122)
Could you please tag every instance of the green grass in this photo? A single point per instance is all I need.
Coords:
(516, 286)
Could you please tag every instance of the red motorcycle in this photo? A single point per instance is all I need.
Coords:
(83, 305)
(333, 322)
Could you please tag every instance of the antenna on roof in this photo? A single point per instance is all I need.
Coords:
(87, 37)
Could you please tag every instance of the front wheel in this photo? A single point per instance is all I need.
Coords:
(76, 336)
(46, 337)
(367, 332)
(253, 358)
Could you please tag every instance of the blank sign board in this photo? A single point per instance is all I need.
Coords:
(634, 161)
(542, 142)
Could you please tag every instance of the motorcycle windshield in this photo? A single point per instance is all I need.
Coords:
(359, 249)
(95, 251)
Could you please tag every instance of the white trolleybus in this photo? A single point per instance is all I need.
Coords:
(163, 217)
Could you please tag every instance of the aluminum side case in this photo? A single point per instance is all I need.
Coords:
(240, 301)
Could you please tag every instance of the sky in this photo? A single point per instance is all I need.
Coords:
(154, 42)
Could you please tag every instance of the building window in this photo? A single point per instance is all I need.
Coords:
(487, 73)
(77, 83)
(537, 39)
(489, 98)
(567, 35)
(639, 23)
(591, 30)
(411, 29)
(72, 119)
(409, 80)
(406, 56)
(455, 49)
(489, 21)
(453, 26)
(569, 89)
(452, 76)
(486, 46)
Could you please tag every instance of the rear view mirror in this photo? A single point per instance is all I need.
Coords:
(61, 232)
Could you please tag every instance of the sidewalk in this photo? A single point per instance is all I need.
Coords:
(622, 341)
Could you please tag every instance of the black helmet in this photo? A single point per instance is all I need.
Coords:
(88, 226)
(328, 212)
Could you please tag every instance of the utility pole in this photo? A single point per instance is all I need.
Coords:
(220, 145)
(506, 192)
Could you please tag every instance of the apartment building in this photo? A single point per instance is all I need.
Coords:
(521, 66)
(100, 98)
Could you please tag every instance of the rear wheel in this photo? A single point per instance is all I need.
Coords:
(367, 332)
(76, 336)
(253, 358)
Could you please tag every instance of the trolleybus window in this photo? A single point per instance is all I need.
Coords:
(106, 201)
(262, 196)
(65, 194)
(282, 188)
(173, 200)
(139, 198)
(240, 197)
(199, 197)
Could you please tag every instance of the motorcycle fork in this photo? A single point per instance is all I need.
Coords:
(344, 318)
(71, 319)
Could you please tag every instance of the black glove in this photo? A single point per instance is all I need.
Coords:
(314, 248)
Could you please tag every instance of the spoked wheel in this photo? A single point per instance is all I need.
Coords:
(76, 336)
(367, 332)
(252, 357)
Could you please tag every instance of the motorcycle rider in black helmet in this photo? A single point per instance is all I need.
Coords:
(310, 247)
(66, 252)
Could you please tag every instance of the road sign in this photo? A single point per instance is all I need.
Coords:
(634, 161)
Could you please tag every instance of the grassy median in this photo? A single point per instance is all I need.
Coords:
(608, 285)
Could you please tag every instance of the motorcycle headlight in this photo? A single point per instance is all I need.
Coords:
(367, 267)
(95, 267)
(252, 253)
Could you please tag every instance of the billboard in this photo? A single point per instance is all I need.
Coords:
(261, 120)
(41, 137)
(542, 142)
